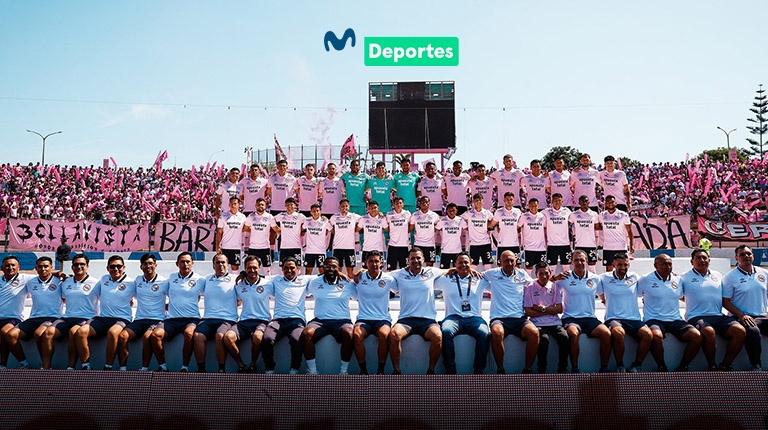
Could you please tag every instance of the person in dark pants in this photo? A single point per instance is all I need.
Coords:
(543, 301)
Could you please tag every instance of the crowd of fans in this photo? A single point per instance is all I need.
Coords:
(734, 191)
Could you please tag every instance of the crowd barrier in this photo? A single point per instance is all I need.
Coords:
(167, 401)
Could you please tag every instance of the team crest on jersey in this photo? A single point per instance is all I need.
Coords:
(15, 283)
(674, 285)
(714, 278)
(227, 278)
(382, 284)
(761, 278)
(191, 283)
(259, 289)
(52, 287)
(155, 287)
(86, 288)
(121, 287)
(590, 283)
(340, 287)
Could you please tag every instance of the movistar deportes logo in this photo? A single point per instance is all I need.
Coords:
(338, 44)
(411, 51)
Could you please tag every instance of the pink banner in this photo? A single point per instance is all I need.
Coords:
(179, 236)
(733, 230)
(658, 233)
(3, 226)
(43, 235)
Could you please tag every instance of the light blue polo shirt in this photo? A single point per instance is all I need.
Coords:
(46, 297)
(747, 291)
(620, 296)
(417, 292)
(82, 297)
(220, 297)
(331, 300)
(579, 295)
(456, 289)
(373, 296)
(661, 297)
(184, 295)
(703, 293)
(507, 292)
(116, 295)
(255, 299)
(151, 295)
(290, 296)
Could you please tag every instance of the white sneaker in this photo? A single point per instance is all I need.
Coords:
(293, 372)
(269, 372)
(344, 372)
(309, 372)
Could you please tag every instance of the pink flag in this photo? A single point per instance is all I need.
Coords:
(687, 156)
(89, 208)
(706, 159)
(77, 174)
(208, 166)
(619, 161)
(497, 164)
(103, 190)
(749, 206)
(220, 170)
(348, 148)
(640, 181)
(646, 172)
(74, 206)
(687, 188)
(113, 162)
(279, 154)
(708, 186)
(58, 178)
(765, 159)
(243, 171)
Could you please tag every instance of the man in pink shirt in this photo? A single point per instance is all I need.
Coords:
(583, 180)
(279, 188)
(229, 233)
(584, 222)
(331, 190)
(451, 228)
(423, 223)
(617, 232)
(431, 186)
(398, 220)
(251, 188)
(455, 187)
(344, 226)
(558, 181)
(477, 229)
(315, 231)
(483, 185)
(535, 184)
(543, 302)
(532, 224)
(289, 225)
(558, 237)
(373, 226)
(508, 180)
(615, 183)
(306, 189)
(505, 220)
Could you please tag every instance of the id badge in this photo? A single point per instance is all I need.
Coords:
(465, 306)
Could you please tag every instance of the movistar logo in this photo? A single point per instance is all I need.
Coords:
(338, 44)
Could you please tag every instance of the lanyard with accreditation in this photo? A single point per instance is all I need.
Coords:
(465, 306)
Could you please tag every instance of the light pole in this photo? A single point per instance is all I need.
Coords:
(214, 153)
(42, 163)
(727, 136)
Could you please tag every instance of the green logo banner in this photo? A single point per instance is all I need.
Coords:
(411, 51)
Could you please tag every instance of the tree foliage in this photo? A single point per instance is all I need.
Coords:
(570, 157)
(760, 121)
(721, 154)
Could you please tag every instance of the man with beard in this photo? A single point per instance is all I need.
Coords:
(373, 288)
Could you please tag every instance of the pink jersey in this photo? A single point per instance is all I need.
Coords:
(456, 187)
(251, 190)
(424, 228)
(507, 226)
(614, 230)
(290, 229)
(260, 226)
(315, 234)
(613, 184)
(534, 238)
(583, 228)
(450, 230)
(507, 180)
(584, 184)
(483, 187)
(432, 188)
(477, 226)
(373, 232)
(536, 296)
(344, 230)
(282, 188)
(557, 226)
(227, 190)
(307, 191)
(559, 183)
(331, 190)
(398, 228)
(535, 188)
(231, 230)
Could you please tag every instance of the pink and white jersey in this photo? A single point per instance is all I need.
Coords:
(231, 230)
(344, 230)
(373, 232)
(450, 230)
(477, 226)
(290, 229)
(331, 190)
(559, 183)
(584, 184)
(456, 187)
(614, 230)
(534, 238)
(432, 188)
(613, 185)
(557, 226)
(507, 225)
(316, 232)
(424, 228)
(227, 190)
(398, 228)
(583, 228)
(535, 188)
(306, 189)
(506, 181)
(282, 188)
(251, 190)
(483, 187)
(260, 226)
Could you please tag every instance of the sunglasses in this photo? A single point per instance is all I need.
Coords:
(115, 266)
(79, 264)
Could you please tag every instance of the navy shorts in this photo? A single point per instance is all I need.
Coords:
(534, 257)
(101, 325)
(174, 326)
(286, 253)
(448, 260)
(326, 327)
(264, 256)
(415, 325)
(28, 327)
(561, 253)
(397, 256)
(140, 327)
(372, 326)
(585, 325)
(346, 257)
(481, 254)
(209, 326)
(511, 325)
(12, 321)
(314, 260)
(246, 329)
(631, 327)
(64, 325)
(720, 323)
(233, 256)
(609, 255)
(678, 328)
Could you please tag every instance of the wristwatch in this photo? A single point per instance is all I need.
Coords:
(543, 309)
